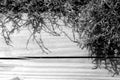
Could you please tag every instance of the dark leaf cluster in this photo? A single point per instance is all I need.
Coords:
(104, 35)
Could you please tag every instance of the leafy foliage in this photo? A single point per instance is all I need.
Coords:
(103, 39)
(96, 22)
(39, 14)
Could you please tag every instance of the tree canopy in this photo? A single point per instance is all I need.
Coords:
(96, 22)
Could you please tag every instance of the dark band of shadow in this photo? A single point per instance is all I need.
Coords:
(51, 57)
